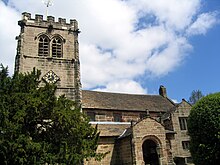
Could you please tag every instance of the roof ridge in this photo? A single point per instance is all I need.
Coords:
(106, 92)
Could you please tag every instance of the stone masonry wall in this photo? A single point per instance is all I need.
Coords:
(183, 110)
(125, 151)
(106, 144)
(127, 116)
(65, 67)
(149, 129)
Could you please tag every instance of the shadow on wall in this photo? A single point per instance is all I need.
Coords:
(179, 161)
(115, 159)
(122, 152)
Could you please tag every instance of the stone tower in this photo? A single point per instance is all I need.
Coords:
(51, 47)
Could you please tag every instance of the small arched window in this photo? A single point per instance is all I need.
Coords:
(43, 46)
(57, 47)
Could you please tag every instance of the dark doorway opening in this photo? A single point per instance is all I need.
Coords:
(150, 153)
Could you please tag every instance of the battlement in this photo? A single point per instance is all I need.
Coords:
(40, 22)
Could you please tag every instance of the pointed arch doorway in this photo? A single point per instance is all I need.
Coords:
(150, 152)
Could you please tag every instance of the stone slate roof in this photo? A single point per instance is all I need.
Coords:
(124, 102)
(112, 129)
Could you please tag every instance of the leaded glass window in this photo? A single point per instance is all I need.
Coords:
(57, 47)
(43, 46)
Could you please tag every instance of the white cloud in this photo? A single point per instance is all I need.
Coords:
(161, 63)
(176, 14)
(114, 49)
(203, 23)
(123, 86)
(8, 32)
(175, 101)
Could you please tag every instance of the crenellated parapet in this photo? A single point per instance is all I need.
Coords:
(51, 45)
(50, 22)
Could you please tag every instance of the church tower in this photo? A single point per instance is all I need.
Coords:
(53, 48)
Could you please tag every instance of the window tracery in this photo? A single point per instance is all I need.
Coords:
(52, 48)
(43, 46)
(57, 47)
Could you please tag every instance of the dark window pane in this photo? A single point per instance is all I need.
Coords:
(91, 116)
(185, 145)
(183, 123)
(43, 46)
(57, 47)
(117, 117)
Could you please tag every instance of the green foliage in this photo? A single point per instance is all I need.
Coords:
(196, 95)
(38, 128)
(204, 130)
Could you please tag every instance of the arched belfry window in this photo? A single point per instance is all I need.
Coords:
(57, 47)
(51, 46)
(43, 46)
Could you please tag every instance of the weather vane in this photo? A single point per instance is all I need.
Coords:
(48, 3)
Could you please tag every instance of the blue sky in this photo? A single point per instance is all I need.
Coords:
(134, 46)
(201, 69)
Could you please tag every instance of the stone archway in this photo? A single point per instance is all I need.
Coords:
(150, 152)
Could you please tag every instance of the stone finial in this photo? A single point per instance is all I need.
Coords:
(26, 16)
(132, 123)
(38, 18)
(148, 113)
(163, 91)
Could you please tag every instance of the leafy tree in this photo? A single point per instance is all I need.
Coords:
(38, 128)
(204, 130)
(196, 95)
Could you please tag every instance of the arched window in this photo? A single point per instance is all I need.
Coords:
(57, 47)
(43, 46)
